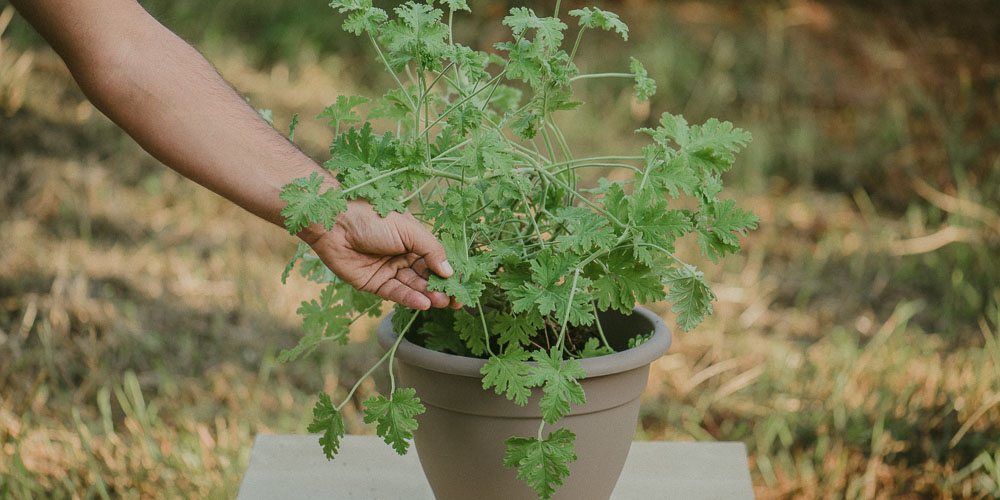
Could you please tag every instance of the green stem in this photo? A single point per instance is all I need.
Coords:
(597, 159)
(374, 179)
(576, 45)
(600, 330)
(601, 75)
(392, 352)
(451, 149)
(393, 73)
(486, 332)
(441, 74)
(459, 104)
(579, 196)
(585, 165)
(388, 355)
(569, 306)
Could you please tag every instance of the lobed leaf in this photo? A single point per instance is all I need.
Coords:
(307, 205)
(329, 423)
(394, 417)
(542, 464)
(691, 296)
(597, 18)
(507, 374)
(558, 380)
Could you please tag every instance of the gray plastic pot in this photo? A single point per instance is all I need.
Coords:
(460, 436)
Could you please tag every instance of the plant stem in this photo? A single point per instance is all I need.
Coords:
(600, 330)
(486, 333)
(388, 355)
(393, 73)
(441, 74)
(459, 103)
(576, 45)
(601, 75)
(597, 159)
(569, 306)
(579, 196)
(392, 352)
(378, 177)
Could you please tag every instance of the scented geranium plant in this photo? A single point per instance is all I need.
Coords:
(473, 151)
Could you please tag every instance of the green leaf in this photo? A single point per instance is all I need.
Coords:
(418, 35)
(362, 16)
(470, 330)
(593, 349)
(670, 172)
(645, 86)
(456, 4)
(639, 340)
(394, 417)
(597, 18)
(551, 288)
(465, 118)
(395, 106)
(306, 205)
(323, 318)
(720, 227)
(542, 464)
(691, 296)
(623, 282)
(559, 383)
(329, 423)
(585, 230)
(302, 249)
(342, 111)
(672, 128)
(506, 374)
(291, 127)
(716, 143)
(360, 158)
(517, 329)
(471, 273)
(438, 331)
(548, 30)
(654, 224)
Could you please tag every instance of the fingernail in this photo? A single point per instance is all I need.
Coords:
(446, 267)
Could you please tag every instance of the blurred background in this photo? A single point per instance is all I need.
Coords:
(855, 347)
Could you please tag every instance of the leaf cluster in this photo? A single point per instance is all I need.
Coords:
(476, 154)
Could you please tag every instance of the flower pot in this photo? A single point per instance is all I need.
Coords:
(460, 439)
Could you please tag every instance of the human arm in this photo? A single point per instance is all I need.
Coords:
(165, 95)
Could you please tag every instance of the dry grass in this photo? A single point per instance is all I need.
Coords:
(140, 316)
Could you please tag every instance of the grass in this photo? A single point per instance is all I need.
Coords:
(856, 343)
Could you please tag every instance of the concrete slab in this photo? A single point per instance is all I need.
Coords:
(293, 466)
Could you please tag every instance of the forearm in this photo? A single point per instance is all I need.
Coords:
(176, 106)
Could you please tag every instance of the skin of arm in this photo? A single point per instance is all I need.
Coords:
(165, 95)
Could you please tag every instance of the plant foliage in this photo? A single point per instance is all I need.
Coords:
(476, 154)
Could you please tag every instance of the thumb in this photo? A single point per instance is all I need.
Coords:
(420, 241)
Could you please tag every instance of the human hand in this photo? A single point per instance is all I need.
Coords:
(391, 257)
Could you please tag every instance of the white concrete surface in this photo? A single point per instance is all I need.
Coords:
(286, 466)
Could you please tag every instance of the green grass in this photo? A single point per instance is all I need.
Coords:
(856, 344)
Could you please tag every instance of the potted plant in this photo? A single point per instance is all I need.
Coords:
(549, 271)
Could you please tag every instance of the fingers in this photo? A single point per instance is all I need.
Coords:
(420, 267)
(412, 279)
(420, 241)
(398, 292)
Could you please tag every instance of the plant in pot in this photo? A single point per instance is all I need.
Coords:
(525, 377)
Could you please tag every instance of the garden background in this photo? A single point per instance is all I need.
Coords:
(855, 347)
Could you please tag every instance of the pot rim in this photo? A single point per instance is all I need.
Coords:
(609, 364)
